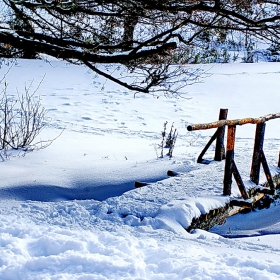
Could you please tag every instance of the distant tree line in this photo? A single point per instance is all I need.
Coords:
(146, 40)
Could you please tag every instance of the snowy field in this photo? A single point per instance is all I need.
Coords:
(70, 211)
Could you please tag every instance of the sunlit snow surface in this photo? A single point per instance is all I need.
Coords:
(70, 211)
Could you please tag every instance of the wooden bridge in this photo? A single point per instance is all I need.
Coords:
(249, 197)
(230, 166)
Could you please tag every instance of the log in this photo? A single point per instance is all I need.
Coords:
(172, 173)
(241, 203)
(140, 184)
(233, 122)
(266, 191)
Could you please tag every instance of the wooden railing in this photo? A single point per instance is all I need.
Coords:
(224, 122)
(230, 166)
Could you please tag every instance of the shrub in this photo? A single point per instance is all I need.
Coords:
(21, 120)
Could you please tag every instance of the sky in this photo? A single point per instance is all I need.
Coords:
(71, 210)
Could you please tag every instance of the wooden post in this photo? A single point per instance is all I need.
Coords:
(258, 147)
(229, 160)
(220, 147)
(230, 166)
(279, 160)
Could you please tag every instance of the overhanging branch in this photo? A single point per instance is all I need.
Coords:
(64, 50)
(109, 77)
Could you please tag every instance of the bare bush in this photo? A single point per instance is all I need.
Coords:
(22, 119)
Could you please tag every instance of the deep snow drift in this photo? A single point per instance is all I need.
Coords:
(71, 210)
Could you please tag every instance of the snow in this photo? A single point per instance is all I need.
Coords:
(71, 211)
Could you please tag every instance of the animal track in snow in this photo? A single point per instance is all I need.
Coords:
(87, 118)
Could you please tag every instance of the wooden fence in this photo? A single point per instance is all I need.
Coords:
(230, 166)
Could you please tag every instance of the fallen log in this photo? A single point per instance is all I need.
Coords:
(171, 173)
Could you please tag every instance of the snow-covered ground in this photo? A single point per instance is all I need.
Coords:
(70, 211)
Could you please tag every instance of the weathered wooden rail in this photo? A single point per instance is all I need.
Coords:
(222, 123)
(230, 166)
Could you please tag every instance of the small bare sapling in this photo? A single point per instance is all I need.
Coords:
(163, 134)
(168, 141)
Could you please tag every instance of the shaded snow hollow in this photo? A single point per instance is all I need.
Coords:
(71, 210)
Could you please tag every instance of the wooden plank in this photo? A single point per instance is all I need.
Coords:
(233, 122)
